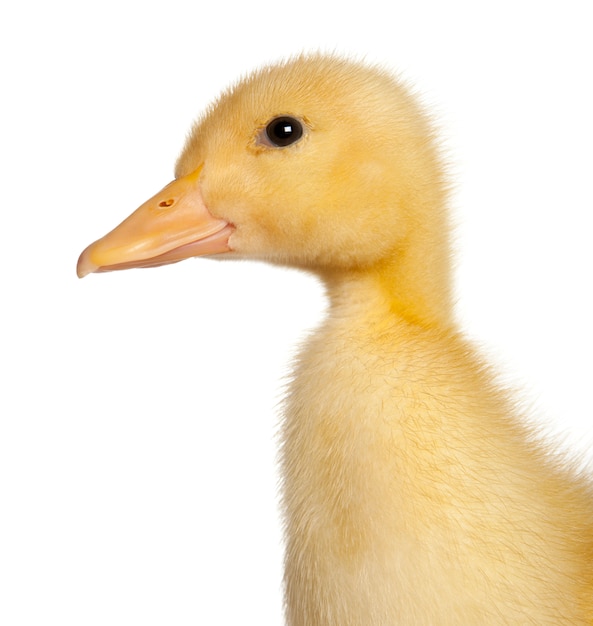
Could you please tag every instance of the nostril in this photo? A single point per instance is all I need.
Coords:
(166, 203)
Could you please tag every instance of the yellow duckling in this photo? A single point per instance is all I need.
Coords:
(413, 495)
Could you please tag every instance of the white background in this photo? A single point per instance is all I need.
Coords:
(138, 409)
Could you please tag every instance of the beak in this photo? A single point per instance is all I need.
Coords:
(174, 224)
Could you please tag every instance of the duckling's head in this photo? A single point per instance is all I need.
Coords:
(316, 162)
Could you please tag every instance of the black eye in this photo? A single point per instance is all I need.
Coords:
(283, 131)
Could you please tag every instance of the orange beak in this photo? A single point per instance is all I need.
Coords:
(173, 225)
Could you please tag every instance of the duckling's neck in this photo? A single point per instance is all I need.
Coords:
(412, 287)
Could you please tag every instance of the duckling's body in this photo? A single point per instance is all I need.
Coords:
(413, 496)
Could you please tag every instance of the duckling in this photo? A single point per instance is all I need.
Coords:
(413, 492)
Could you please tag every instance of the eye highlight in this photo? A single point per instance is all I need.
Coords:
(282, 131)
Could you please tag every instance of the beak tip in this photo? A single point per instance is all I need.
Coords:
(85, 265)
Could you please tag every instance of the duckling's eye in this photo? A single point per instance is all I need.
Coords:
(283, 131)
